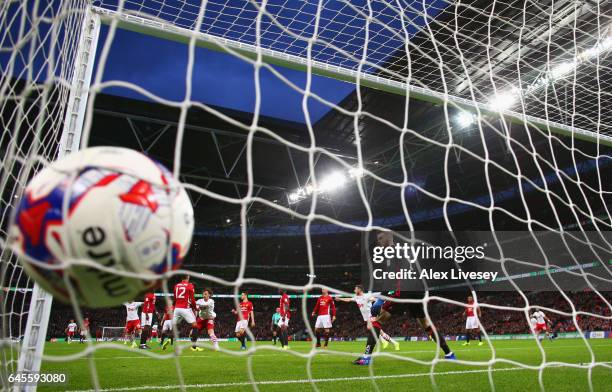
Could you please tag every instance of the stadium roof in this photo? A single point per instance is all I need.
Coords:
(540, 62)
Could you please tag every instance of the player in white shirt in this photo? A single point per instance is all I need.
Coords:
(132, 322)
(364, 303)
(206, 316)
(540, 323)
(70, 331)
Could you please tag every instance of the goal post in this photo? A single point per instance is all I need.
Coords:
(40, 303)
(168, 31)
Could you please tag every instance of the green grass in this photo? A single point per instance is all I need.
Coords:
(128, 370)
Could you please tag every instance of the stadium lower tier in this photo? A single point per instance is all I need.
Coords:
(349, 325)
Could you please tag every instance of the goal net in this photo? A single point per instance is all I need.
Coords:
(460, 116)
(38, 51)
(110, 334)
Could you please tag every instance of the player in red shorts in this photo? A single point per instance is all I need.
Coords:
(541, 324)
(244, 314)
(166, 332)
(325, 310)
(206, 316)
(132, 322)
(70, 331)
(185, 309)
(146, 319)
(283, 323)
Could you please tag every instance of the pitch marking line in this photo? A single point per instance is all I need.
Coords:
(301, 381)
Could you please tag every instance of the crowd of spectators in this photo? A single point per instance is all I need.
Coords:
(449, 318)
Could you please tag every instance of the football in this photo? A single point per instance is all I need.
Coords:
(105, 220)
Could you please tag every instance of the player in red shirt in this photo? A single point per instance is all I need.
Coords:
(472, 314)
(185, 309)
(283, 323)
(146, 319)
(325, 310)
(167, 327)
(244, 314)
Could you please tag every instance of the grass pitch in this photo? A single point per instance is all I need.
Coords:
(122, 369)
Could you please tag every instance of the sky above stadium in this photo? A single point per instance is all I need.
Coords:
(160, 66)
(219, 79)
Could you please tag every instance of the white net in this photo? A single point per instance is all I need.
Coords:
(38, 43)
(113, 333)
(496, 121)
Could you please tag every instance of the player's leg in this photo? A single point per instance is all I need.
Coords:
(285, 336)
(146, 329)
(418, 312)
(373, 336)
(135, 334)
(242, 339)
(210, 328)
(195, 333)
(326, 337)
(167, 334)
(467, 338)
(213, 338)
(129, 331)
(386, 339)
(274, 335)
(241, 333)
(439, 338)
(190, 318)
(379, 313)
(318, 336)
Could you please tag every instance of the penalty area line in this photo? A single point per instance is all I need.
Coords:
(300, 381)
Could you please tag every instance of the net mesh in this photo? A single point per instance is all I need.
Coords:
(113, 333)
(546, 60)
(37, 52)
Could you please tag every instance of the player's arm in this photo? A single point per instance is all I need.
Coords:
(333, 311)
(316, 308)
(350, 299)
(192, 300)
(478, 312)
(252, 317)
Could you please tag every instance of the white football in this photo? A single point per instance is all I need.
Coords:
(110, 206)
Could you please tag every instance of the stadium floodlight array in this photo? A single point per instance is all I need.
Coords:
(329, 183)
(511, 71)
